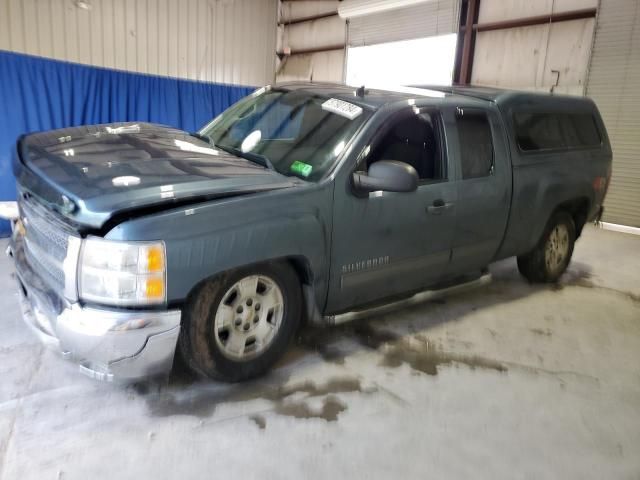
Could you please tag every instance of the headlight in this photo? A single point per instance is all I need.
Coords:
(120, 273)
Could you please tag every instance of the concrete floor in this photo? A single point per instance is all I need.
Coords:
(508, 381)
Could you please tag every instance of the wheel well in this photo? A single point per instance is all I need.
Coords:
(578, 208)
(302, 268)
(300, 265)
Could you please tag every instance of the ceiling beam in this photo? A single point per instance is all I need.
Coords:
(330, 48)
(310, 18)
(537, 20)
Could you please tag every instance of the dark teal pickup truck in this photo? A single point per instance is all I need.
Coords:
(302, 202)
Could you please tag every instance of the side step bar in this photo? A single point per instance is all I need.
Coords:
(419, 297)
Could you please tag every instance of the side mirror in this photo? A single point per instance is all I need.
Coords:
(388, 176)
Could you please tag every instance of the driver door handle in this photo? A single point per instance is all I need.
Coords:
(439, 206)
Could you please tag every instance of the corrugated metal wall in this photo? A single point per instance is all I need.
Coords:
(499, 10)
(294, 10)
(322, 39)
(324, 32)
(225, 41)
(433, 17)
(614, 84)
(524, 57)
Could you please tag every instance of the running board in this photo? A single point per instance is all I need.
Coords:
(418, 298)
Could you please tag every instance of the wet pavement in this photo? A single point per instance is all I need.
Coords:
(510, 380)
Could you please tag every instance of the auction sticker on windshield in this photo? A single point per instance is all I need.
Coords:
(340, 107)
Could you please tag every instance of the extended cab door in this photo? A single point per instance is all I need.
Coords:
(483, 184)
(389, 243)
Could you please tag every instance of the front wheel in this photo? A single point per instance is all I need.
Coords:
(237, 325)
(551, 256)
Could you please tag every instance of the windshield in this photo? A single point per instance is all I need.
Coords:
(294, 132)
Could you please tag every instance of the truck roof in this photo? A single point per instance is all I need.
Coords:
(507, 97)
(377, 98)
(373, 98)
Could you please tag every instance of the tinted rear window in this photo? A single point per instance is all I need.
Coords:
(552, 131)
(476, 146)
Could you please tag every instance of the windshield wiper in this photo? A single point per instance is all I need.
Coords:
(252, 157)
(199, 136)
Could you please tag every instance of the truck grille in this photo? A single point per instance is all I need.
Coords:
(46, 243)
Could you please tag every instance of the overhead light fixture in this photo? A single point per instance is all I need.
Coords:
(358, 8)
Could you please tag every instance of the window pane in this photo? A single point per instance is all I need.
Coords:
(581, 130)
(414, 141)
(549, 131)
(295, 131)
(400, 65)
(276, 121)
(476, 146)
(538, 131)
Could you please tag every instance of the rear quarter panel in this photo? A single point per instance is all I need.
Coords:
(544, 180)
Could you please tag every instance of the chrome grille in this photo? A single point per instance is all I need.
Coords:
(46, 243)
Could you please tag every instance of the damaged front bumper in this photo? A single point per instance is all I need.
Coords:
(107, 344)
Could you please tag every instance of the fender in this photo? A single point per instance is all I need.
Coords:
(212, 237)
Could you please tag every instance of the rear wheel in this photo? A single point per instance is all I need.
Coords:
(551, 256)
(238, 324)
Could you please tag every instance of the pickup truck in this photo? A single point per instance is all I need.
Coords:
(300, 203)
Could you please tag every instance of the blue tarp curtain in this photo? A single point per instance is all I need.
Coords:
(41, 94)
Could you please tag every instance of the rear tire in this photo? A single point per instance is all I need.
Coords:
(237, 325)
(551, 256)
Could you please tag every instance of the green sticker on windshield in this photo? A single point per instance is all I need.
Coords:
(301, 168)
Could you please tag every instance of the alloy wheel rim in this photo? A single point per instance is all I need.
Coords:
(557, 248)
(248, 317)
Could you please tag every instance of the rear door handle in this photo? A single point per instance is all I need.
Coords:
(439, 206)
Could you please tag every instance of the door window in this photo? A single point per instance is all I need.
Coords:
(413, 139)
(476, 145)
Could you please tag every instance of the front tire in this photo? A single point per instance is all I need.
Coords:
(551, 256)
(237, 325)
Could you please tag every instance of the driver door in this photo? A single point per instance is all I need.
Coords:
(387, 244)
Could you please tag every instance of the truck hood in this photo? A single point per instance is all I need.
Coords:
(90, 174)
